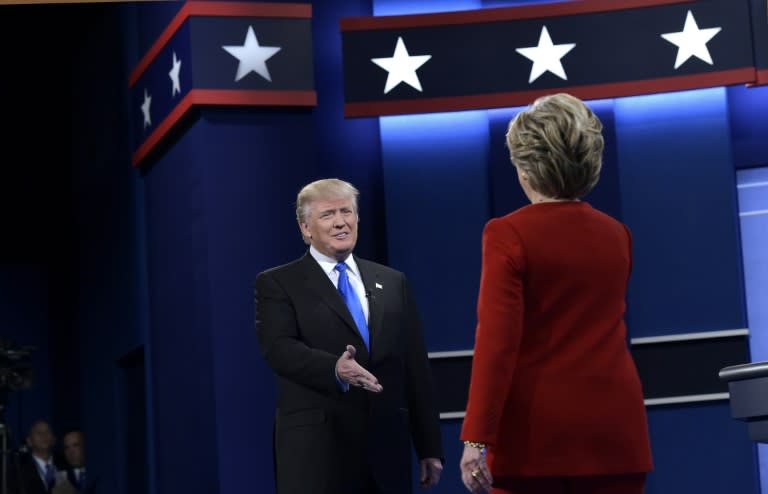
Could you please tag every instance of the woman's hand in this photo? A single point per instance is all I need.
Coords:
(474, 470)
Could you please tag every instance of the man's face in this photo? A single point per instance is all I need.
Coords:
(331, 227)
(73, 449)
(40, 438)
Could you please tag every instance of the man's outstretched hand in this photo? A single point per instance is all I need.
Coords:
(354, 374)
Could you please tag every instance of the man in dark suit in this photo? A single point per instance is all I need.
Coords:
(343, 337)
(36, 473)
(74, 453)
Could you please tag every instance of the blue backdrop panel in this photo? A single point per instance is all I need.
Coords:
(753, 212)
(699, 448)
(436, 186)
(678, 198)
(450, 480)
(748, 107)
(403, 7)
(183, 378)
(253, 170)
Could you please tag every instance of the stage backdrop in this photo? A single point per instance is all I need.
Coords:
(167, 252)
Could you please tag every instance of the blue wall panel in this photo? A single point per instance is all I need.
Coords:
(436, 186)
(180, 342)
(753, 212)
(678, 198)
(748, 107)
(699, 448)
(250, 205)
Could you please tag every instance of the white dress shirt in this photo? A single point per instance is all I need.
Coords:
(41, 467)
(328, 264)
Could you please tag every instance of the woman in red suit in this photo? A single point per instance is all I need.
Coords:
(555, 399)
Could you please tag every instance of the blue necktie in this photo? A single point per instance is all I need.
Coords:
(81, 480)
(50, 475)
(353, 302)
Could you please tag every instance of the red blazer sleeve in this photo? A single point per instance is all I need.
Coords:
(499, 331)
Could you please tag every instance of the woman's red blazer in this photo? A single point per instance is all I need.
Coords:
(554, 389)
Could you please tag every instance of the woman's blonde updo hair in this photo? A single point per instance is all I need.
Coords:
(558, 143)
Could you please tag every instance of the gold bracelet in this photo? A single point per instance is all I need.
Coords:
(473, 444)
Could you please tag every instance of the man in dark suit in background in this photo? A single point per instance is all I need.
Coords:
(343, 337)
(74, 453)
(36, 472)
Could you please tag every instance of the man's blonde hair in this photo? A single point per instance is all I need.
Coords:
(323, 190)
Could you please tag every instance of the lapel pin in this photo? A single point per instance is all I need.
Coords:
(378, 285)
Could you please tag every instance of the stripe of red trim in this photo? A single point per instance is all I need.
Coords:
(497, 14)
(158, 45)
(593, 91)
(224, 9)
(762, 77)
(234, 9)
(219, 97)
(254, 97)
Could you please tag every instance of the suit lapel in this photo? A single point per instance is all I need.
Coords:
(317, 281)
(371, 279)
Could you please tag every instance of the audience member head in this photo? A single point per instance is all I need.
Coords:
(40, 439)
(74, 449)
(557, 147)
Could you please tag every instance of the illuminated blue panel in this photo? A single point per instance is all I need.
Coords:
(678, 196)
(753, 213)
(403, 7)
(507, 3)
(749, 127)
(436, 195)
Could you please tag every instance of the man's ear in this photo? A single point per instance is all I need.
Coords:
(304, 227)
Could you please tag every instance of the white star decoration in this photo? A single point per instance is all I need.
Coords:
(692, 41)
(174, 75)
(546, 56)
(145, 109)
(401, 67)
(252, 57)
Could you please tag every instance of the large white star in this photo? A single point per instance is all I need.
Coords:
(401, 67)
(145, 109)
(692, 41)
(174, 75)
(252, 57)
(546, 56)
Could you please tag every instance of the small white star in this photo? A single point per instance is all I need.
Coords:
(692, 41)
(145, 109)
(252, 57)
(174, 75)
(546, 56)
(401, 67)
